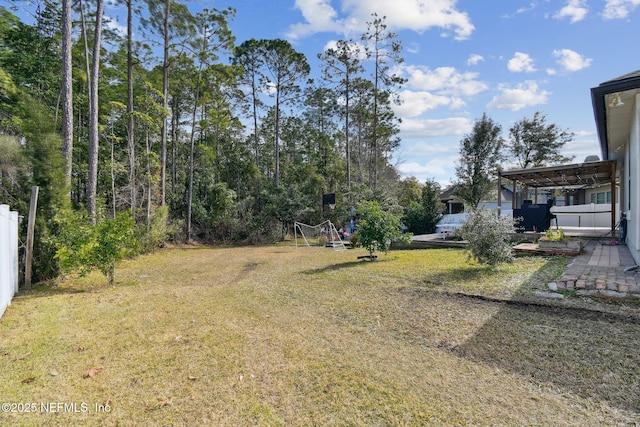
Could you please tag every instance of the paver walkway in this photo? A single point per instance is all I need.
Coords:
(600, 269)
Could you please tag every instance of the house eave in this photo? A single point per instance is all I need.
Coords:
(630, 82)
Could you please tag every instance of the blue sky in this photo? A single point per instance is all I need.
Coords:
(462, 58)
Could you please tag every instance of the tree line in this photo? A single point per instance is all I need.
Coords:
(192, 134)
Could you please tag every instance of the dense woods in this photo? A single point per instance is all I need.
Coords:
(199, 136)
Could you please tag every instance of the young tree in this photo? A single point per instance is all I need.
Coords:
(480, 156)
(83, 247)
(377, 228)
(534, 143)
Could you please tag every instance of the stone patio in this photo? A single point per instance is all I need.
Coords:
(599, 270)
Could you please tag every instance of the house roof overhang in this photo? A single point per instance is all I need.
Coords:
(613, 102)
(589, 173)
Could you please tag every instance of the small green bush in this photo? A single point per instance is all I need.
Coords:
(489, 237)
(377, 228)
(83, 247)
(555, 236)
(160, 230)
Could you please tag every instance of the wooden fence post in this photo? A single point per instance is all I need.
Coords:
(30, 227)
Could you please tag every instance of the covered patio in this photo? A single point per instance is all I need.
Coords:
(603, 268)
(566, 176)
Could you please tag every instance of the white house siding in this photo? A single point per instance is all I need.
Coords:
(632, 178)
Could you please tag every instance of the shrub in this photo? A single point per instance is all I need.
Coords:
(489, 237)
(83, 247)
(377, 228)
(160, 230)
(554, 236)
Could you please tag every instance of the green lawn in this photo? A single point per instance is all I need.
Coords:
(275, 335)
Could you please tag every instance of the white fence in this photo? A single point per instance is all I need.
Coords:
(8, 256)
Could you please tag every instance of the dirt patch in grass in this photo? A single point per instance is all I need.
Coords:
(277, 336)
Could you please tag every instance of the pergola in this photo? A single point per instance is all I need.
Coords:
(589, 173)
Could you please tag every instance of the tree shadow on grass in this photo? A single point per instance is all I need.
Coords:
(442, 279)
(344, 265)
(589, 353)
(47, 289)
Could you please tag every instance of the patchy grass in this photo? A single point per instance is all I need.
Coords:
(277, 336)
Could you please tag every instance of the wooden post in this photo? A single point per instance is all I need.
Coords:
(499, 194)
(30, 227)
(613, 199)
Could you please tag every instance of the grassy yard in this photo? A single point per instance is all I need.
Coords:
(275, 335)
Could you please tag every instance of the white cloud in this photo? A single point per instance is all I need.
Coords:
(319, 15)
(474, 59)
(423, 148)
(429, 169)
(521, 63)
(516, 98)
(575, 10)
(442, 80)
(531, 6)
(430, 128)
(428, 89)
(113, 24)
(618, 9)
(570, 60)
(417, 15)
(413, 48)
(415, 103)
(582, 146)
